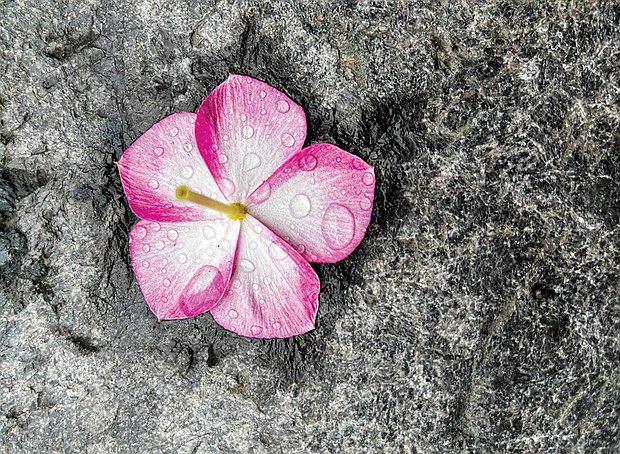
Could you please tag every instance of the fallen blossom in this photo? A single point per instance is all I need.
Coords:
(232, 210)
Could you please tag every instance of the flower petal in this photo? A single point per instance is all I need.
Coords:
(245, 130)
(273, 292)
(183, 268)
(320, 202)
(164, 157)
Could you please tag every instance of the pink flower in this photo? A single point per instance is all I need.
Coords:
(232, 210)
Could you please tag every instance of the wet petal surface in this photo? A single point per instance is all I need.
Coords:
(245, 130)
(273, 291)
(320, 202)
(163, 158)
(183, 268)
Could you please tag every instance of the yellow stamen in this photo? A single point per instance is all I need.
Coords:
(235, 211)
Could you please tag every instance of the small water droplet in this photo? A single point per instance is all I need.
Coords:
(166, 282)
(244, 117)
(358, 164)
(277, 325)
(146, 248)
(248, 131)
(301, 248)
(182, 258)
(258, 228)
(236, 283)
(164, 261)
(187, 172)
(266, 280)
(276, 252)
(159, 245)
(256, 330)
(366, 203)
(287, 140)
(307, 162)
(153, 184)
(158, 151)
(139, 232)
(338, 226)
(156, 227)
(263, 94)
(145, 264)
(172, 234)
(246, 266)
(228, 187)
(210, 252)
(208, 232)
(174, 131)
(197, 260)
(223, 159)
(368, 179)
(283, 106)
(233, 313)
(251, 161)
(263, 112)
(187, 147)
(262, 193)
(300, 206)
(253, 245)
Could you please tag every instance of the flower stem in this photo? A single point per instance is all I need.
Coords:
(235, 211)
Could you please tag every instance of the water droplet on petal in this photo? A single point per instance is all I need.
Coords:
(263, 112)
(256, 330)
(307, 162)
(223, 159)
(159, 245)
(248, 131)
(358, 164)
(236, 283)
(258, 228)
(187, 172)
(244, 117)
(283, 106)
(253, 245)
(208, 232)
(153, 184)
(227, 186)
(287, 140)
(276, 252)
(300, 206)
(155, 226)
(246, 266)
(210, 252)
(158, 151)
(368, 179)
(166, 282)
(146, 248)
(277, 325)
(263, 94)
(145, 264)
(139, 232)
(174, 131)
(187, 147)
(338, 226)
(301, 248)
(262, 193)
(366, 203)
(233, 313)
(172, 234)
(251, 161)
(182, 258)
(266, 280)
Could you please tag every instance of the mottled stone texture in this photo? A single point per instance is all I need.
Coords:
(480, 314)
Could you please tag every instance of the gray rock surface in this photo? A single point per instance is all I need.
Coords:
(480, 314)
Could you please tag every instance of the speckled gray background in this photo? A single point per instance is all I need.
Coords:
(480, 314)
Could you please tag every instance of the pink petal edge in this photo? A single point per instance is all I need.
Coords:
(245, 130)
(320, 201)
(183, 269)
(163, 158)
(273, 291)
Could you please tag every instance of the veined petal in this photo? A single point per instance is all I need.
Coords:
(273, 292)
(245, 130)
(320, 202)
(183, 268)
(164, 157)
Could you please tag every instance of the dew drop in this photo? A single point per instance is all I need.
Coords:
(262, 193)
(251, 161)
(158, 151)
(258, 228)
(338, 226)
(358, 164)
(301, 248)
(253, 245)
(266, 280)
(233, 313)
(236, 283)
(156, 227)
(368, 179)
(187, 147)
(174, 131)
(248, 131)
(210, 252)
(276, 252)
(182, 258)
(300, 206)
(256, 330)
(208, 232)
(263, 94)
(145, 264)
(153, 184)
(246, 266)
(139, 232)
(197, 260)
(263, 112)
(159, 245)
(223, 159)
(283, 106)
(172, 234)
(244, 117)
(287, 140)
(146, 248)
(277, 325)
(187, 172)
(307, 162)
(366, 203)
(227, 186)
(166, 282)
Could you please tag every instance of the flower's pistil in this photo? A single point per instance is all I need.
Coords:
(235, 211)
